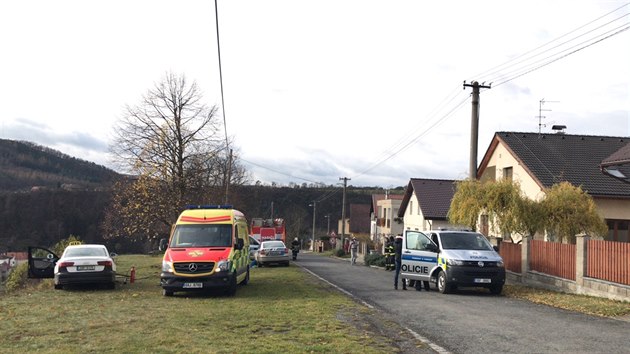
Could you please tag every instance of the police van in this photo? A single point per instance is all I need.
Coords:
(451, 258)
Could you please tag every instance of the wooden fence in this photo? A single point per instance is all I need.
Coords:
(553, 258)
(608, 260)
(511, 254)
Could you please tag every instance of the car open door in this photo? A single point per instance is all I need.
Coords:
(41, 262)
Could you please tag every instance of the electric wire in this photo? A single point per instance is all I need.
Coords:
(496, 69)
(561, 57)
(527, 66)
(408, 144)
(216, 22)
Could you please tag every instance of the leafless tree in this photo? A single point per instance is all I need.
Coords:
(172, 142)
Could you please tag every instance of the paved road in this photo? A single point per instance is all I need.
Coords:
(474, 321)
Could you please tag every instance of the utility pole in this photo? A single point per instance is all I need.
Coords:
(343, 210)
(474, 126)
(313, 235)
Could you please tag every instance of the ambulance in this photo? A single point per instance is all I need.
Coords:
(450, 259)
(208, 248)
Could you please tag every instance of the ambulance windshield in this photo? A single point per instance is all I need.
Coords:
(202, 236)
(465, 241)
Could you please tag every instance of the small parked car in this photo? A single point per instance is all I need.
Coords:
(254, 245)
(79, 264)
(274, 251)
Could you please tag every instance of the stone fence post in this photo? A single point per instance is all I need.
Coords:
(580, 258)
(525, 255)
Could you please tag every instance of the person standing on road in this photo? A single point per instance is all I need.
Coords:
(389, 254)
(354, 247)
(398, 261)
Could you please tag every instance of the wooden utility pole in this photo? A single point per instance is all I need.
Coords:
(474, 126)
(343, 210)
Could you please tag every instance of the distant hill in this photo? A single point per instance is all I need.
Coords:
(25, 165)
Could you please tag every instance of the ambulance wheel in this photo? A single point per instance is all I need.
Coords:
(443, 286)
(246, 280)
(167, 292)
(231, 290)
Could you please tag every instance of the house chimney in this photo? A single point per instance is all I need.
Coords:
(559, 128)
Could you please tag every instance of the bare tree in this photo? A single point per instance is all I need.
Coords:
(171, 142)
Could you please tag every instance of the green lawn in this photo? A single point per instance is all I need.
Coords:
(282, 310)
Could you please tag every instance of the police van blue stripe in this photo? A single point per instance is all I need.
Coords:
(419, 258)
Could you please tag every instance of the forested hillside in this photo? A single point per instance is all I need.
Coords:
(43, 216)
(24, 165)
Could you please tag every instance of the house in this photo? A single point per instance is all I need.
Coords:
(384, 218)
(538, 161)
(617, 165)
(357, 222)
(425, 204)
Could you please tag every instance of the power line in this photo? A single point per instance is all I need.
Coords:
(492, 71)
(408, 144)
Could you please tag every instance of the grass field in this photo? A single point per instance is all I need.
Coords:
(282, 310)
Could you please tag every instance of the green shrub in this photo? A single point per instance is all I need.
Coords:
(340, 252)
(60, 246)
(375, 259)
(17, 278)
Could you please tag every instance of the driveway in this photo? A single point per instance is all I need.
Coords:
(473, 320)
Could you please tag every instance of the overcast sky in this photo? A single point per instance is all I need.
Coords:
(318, 90)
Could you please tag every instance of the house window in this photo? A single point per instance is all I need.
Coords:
(507, 173)
(618, 230)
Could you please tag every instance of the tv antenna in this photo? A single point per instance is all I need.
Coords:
(540, 116)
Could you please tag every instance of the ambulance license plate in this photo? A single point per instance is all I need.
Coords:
(482, 280)
(193, 285)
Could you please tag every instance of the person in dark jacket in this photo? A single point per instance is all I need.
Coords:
(389, 253)
(398, 261)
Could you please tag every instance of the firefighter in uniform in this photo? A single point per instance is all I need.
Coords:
(389, 253)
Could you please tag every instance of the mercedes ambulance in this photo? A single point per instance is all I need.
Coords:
(208, 248)
(451, 258)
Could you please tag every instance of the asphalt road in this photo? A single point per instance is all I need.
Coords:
(473, 320)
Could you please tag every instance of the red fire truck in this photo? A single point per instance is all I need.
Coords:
(268, 229)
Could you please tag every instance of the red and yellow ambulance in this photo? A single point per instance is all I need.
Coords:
(208, 248)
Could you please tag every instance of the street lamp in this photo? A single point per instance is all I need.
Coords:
(314, 205)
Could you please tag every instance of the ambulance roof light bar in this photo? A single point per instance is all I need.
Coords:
(194, 206)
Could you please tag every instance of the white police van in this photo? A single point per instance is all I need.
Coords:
(451, 258)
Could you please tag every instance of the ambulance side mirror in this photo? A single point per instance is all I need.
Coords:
(163, 244)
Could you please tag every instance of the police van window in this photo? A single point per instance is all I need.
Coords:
(417, 241)
(434, 238)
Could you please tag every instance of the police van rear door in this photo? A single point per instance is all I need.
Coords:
(419, 256)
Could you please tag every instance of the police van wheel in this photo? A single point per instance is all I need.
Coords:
(496, 290)
(442, 285)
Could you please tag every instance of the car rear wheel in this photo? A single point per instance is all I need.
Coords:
(167, 292)
(58, 286)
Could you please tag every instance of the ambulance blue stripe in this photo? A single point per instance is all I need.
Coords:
(419, 258)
